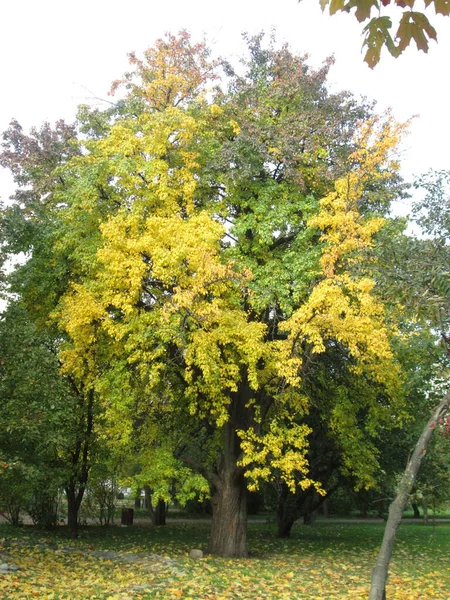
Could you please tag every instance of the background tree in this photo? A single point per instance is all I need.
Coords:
(28, 226)
(421, 269)
(47, 428)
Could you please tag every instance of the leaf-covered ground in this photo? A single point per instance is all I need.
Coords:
(325, 561)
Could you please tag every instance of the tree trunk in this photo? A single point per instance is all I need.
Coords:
(284, 526)
(425, 512)
(380, 571)
(73, 505)
(229, 518)
(159, 514)
(309, 518)
(416, 510)
(287, 512)
(325, 508)
(80, 458)
(229, 503)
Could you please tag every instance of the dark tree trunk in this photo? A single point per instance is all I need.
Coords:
(229, 518)
(287, 512)
(284, 527)
(290, 507)
(416, 510)
(80, 460)
(137, 500)
(380, 571)
(159, 514)
(74, 499)
(310, 517)
(229, 503)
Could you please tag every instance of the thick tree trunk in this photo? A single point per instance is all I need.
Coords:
(229, 519)
(416, 510)
(380, 571)
(229, 503)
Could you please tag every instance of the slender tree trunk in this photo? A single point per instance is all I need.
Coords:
(159, 514)
(285, 526)
(286, 511)
(425, 512)
(80, 459)
(137, 500)
(380, 571)
(309, 518)
(416, 510)
(74, 500)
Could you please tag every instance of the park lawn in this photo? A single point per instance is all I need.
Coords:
(324, 561)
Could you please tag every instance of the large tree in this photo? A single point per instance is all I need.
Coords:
(211, 232)
(219, 272)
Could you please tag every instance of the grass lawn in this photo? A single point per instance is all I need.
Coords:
(326, 560)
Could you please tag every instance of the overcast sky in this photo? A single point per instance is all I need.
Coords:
(56, 54)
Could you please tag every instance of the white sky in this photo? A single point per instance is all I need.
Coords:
(53, 51)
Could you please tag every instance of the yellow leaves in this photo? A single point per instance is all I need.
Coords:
(345, 309)
(235, 127)
(218, 352)
(344, 229)
(153, 159)
(216, 110)
(343, 306)
(283, 448)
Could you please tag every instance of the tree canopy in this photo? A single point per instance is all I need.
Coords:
(198, 246)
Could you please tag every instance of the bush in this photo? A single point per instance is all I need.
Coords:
(14, 491)
(43, 507)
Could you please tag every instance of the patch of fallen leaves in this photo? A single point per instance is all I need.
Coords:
(310, 568)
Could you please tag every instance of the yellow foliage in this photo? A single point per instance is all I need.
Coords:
(283, 449)
(343, 306)
(161, 280)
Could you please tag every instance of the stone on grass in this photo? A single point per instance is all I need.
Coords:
(5, 568)
(195, 553)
